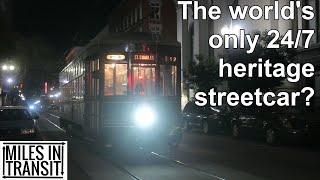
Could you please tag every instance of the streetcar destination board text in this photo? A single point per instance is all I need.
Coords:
(144, 57)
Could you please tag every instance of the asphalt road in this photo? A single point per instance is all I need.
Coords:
(199, 157)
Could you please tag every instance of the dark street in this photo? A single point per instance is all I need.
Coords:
(198, 157)
(160, 89)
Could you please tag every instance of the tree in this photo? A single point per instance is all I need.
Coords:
(204, 73)
(282, 55)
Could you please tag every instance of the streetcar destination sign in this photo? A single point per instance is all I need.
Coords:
(144, 57)
(116, 57)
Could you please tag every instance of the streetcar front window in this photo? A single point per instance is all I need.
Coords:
(168, 79)
(115, 80)
(144, 80)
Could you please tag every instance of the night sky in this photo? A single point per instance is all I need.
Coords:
(61, 23)
(47, 29)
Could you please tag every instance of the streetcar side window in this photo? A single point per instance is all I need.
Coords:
(115, 80)
(121, 79)
(168, 79)
(108, 79)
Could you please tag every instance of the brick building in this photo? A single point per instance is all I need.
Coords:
(154, 16)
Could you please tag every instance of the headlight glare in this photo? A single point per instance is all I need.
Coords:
(31, 107)
(144, 117)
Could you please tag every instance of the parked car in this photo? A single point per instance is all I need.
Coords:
(273, 125)
(207, 118)
(16, 123)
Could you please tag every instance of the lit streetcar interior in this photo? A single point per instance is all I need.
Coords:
(141, 78)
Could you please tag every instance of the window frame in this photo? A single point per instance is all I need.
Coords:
(114, 80)
(173, 90)
(152, 66)
(155, 15)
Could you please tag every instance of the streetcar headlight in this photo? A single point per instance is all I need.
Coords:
(144, 117)
(31, 107)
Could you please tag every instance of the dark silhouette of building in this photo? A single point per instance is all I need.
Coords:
(6, 34)
(152, 16)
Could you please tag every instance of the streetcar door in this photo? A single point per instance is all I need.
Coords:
(144, 80)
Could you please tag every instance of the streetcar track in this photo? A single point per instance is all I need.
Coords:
(121, 168)
(55, 125)
(187, 166)
(76, 165)
(90, 141)
(45, 138)
(114, 163)
(134, 177)
(124, 170)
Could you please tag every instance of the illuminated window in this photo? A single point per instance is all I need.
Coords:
(108, 79)
(144, 81)
(121, 79)
(168, 79)
(115, 82)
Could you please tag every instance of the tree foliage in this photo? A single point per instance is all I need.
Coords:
(204, 73)
(282, 55)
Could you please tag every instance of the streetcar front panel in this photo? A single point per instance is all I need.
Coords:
(141, 93)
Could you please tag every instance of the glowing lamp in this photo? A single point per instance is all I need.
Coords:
(116, 57)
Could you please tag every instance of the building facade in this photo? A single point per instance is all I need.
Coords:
(194, 34)
(152, 16)
(312, 54)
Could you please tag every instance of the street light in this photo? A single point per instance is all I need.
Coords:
(5, 67)
(236, 29)
(233, 29)
(11, 68)
(225, 30)
(8, 67)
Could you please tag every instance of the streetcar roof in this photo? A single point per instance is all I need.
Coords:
(128, 37)
(105, 38)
